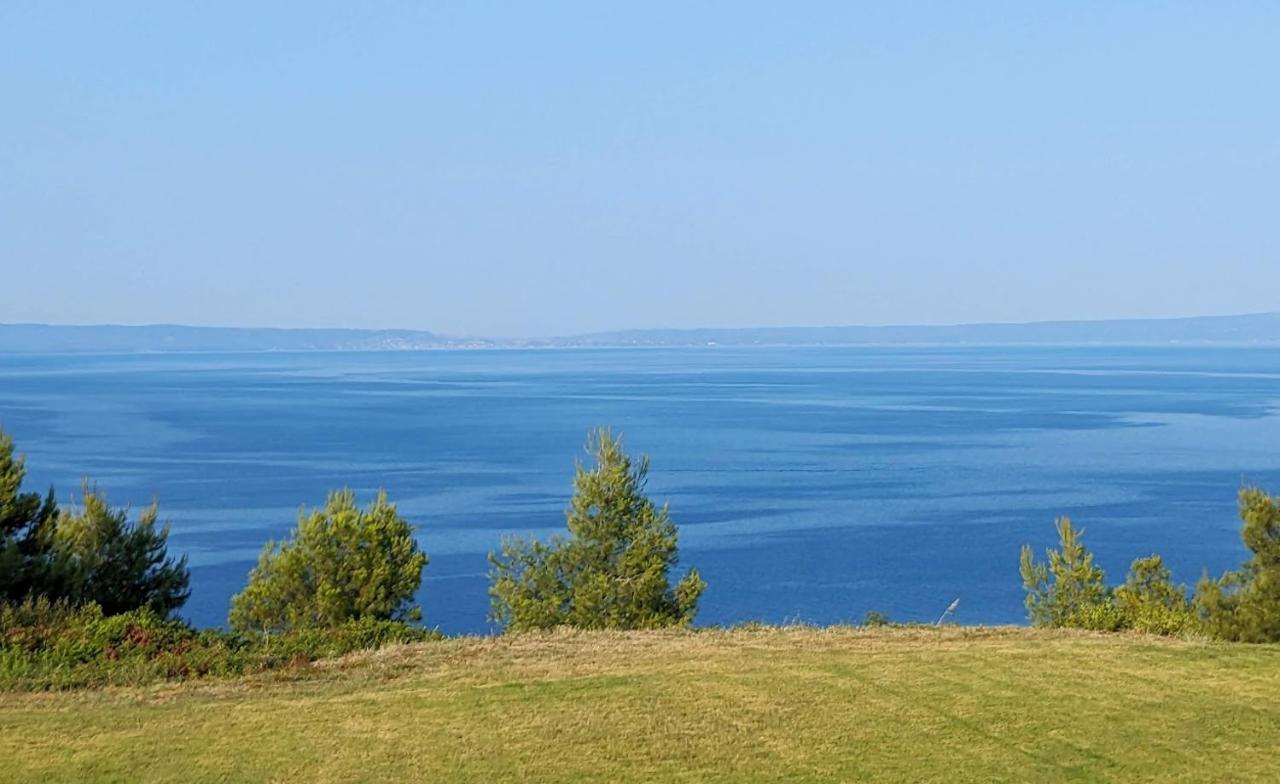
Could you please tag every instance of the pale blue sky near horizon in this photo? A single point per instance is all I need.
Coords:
(546, 169)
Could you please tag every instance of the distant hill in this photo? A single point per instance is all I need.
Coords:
(45, 338)
(1249, 329)
(1256, 329)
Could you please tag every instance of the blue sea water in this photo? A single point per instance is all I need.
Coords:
(809, 484)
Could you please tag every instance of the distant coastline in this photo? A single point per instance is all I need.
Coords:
(1260, 329)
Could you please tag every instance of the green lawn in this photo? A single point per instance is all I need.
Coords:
(958, 704)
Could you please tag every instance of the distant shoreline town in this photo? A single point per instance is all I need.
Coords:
(1244, 330)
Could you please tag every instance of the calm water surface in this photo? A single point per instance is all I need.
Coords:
(810, 484)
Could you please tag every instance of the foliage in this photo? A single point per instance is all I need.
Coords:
(92, 554)
(1070, 591)
(875, 618)
(612, 571)
(1150, 602)
(1244, 605)
(340, 564)
(1150, 583)
(26, 523)
(1065, 590)
(1101, 616)
(102, 558)
(55, 645)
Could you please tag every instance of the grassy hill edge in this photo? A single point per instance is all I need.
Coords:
(754, 703)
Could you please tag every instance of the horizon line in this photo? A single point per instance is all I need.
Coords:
(625, 330)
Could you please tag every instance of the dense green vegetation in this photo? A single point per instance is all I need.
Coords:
(340, 564)
(26, 530)
(1069, 589)
(104, 559)
(1244, 605)
(89, 597)
(86, 555)
(56, 645)
(953, 704)
(612, 571)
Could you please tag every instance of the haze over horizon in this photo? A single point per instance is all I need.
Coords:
(567, 169)
(654, 329)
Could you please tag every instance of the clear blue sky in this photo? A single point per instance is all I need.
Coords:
(537, 169)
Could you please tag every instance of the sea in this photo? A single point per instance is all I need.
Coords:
(810, 485)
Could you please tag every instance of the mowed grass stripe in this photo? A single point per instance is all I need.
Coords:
(765, 704)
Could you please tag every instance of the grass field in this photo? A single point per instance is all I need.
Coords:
(769, 704)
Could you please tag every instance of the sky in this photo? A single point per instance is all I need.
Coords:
(538, 169)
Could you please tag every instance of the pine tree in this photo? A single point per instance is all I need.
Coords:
(340, 563)
(1151, 602)
(1244, 605)
(1069, 585)
(1150, 584)
(26, 527)
(613, 569)
(103, 558)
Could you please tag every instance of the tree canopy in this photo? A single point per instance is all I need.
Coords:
(613, 569)
(1244, 604)
(1069, 583)
(26, 529)
(102, 558)
(340, 563)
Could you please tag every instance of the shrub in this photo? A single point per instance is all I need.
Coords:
(1244, 605)
(102, 558)
(613, 569)
(340, 564)
(1068, 587)
(57, 645)
(1154, 619)
(875, 618)
(1070, 591)
(1101, 616)
(54, 645)
(88, 555)
(32, 624)
(26, 523)
(1150, 602)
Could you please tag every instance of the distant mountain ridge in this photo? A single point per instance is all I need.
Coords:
(48, 338)
(1246, 329)
(1253, 329)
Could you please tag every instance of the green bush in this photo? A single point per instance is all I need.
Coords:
(102, 558)
(87, 555)
(1070, 591)
(1102, 616)
(54, 645)
(57, 645)
(341, 563)
(1068, 587)
(1244, 605)
(1108, 616)
(613, 571)
(1155, 619)
(26, 526)
(875, 618)
(1151, 602)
